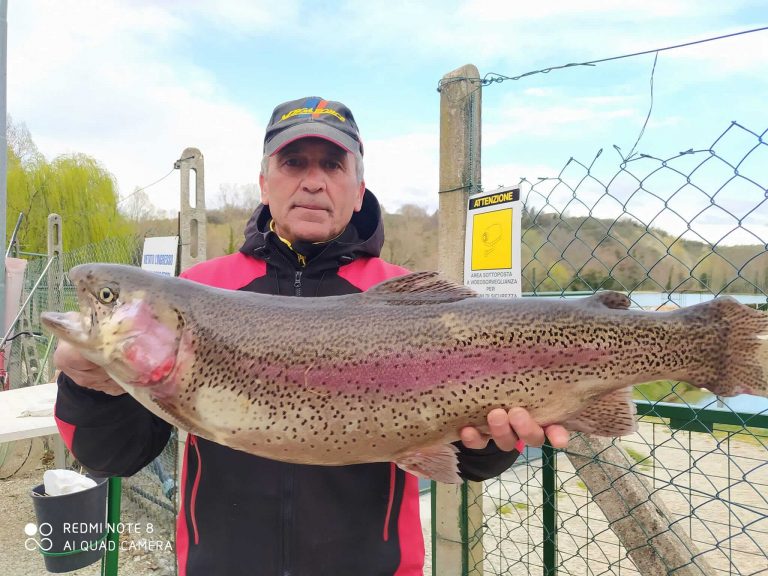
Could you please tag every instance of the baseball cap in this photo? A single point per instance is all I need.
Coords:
(312, 117)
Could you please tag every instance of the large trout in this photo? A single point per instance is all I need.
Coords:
(393, 374)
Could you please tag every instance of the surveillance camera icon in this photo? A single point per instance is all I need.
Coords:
(491, 236)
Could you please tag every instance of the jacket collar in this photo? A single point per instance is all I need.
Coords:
(364, 235)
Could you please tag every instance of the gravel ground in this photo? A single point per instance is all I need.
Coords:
(713, 487)
(27, 461)
(25, 464)
(729, 522)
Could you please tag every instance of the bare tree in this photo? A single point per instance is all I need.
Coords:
(20, 143)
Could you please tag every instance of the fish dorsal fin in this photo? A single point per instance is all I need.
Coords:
(419, 288)
(608, 299)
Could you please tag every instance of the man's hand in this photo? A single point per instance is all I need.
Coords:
(84, 372)
(506, 428)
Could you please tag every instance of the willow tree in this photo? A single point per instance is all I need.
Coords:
(75, 186)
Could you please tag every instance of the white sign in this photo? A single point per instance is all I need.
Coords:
(160, 255)
(492, 244)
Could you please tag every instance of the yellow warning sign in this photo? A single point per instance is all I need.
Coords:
(492, 240)
(501, 198)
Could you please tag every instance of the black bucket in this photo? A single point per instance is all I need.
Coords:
(71, 528)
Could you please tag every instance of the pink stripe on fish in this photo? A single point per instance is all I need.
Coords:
(399, 371)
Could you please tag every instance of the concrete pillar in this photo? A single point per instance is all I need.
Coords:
(192, 240)
(55, 273)
(55, 302)
(459, 176)
(192, 219)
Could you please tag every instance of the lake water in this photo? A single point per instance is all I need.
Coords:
(654, 299)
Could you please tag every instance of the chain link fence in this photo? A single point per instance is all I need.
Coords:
(29, 360)
(703, 462)
(151, 493)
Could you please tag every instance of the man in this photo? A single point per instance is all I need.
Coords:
(318, 232)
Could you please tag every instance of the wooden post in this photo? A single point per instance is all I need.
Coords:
(458, 547)
(656, 544)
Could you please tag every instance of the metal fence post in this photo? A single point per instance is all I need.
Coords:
(549, 512)
(55, 272)
(55, 281)
(109, 563)
(456, 549)
(3, 139)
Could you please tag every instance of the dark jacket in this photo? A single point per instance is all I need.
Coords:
(243, 514)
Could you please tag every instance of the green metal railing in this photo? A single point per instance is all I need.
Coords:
(540, 518)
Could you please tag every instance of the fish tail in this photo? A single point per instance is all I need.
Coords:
(743, 346)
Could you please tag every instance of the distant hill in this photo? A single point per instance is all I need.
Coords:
(411, 234)
(585, 253)
(559, 253)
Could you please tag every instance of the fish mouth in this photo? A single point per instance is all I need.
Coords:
(133, 336)
(72, 327)
(77, 328)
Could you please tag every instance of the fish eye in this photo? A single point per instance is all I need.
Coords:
(107, 295)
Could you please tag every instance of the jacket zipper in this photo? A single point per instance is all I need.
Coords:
(289, 480)
(297, 283)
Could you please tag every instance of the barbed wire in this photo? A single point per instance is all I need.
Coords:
(647, 116)
(495, 78)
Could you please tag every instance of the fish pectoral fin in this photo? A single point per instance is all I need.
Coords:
(607, 299)
(433, 463)
(418, 288)
(609, 415)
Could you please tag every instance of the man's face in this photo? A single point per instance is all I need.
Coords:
(312, 190)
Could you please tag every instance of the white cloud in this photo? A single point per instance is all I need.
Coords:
(510, 174)
(505, 11)
(512, 37)
(660, 203)
(248, 16)
(404, 169)
(93, 78)
(107, 78)
(546, 119)
(723, 57)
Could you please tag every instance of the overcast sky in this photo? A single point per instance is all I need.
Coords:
(132, 83)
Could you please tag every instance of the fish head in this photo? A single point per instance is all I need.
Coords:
(126, 323)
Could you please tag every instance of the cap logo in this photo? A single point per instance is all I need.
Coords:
(313, 108)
